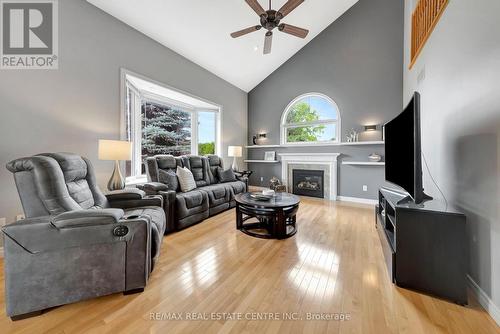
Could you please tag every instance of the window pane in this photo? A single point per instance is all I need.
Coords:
(310, 109)
(165, 130)
(324, 132)
(206, 133)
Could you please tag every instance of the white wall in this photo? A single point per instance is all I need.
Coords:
(461, 125)
(71, 108)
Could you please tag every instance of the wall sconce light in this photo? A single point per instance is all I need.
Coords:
(370, 127)
(258, 136)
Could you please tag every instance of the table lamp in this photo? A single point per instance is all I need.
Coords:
(235, 152)
(115, 150)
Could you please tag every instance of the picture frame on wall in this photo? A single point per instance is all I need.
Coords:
(270, 156)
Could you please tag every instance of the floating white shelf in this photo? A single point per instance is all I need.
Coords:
(380, 142)
(264, 161)
(363, 163)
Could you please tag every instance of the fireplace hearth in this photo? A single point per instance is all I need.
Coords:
(308, 182)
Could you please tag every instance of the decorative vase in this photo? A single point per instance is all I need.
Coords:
(274, 182)
(374, 157)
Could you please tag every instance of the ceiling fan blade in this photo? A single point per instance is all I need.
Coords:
(268, 42)
(245, 31)
(256, 7)
(288, 7)
(293, 30)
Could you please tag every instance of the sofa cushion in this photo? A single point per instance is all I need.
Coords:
(186, 179)
(169, 178)
(193, 199)
(199, 167)
(214, 162)
(225, 175)
(166, 161)
(160, 162)
(217, 194)
(191, 203)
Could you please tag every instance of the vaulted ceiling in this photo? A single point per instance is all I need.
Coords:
(199, 30)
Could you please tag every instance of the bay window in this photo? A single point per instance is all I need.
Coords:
(160, 120)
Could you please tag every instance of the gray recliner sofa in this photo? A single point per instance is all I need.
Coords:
(76, 243)
(209, 198)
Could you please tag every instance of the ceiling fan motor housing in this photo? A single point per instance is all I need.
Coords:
(271, 20)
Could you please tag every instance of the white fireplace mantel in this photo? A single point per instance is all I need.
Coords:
(329, 159)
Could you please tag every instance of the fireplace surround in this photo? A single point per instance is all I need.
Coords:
(326, 162)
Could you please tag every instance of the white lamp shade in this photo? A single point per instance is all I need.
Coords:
(235, 151)
(115, 150)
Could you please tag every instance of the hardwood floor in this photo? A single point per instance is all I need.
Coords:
(333, 266)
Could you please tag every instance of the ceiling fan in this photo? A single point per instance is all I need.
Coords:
(270, 19)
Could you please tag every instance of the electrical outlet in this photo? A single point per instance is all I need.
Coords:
(3, 221)
(365, 187)
(20, 217)
(261, 179)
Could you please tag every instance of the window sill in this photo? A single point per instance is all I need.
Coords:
(136, 180)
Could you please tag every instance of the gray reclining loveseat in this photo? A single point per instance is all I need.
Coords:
(76, 243)
(212, 195)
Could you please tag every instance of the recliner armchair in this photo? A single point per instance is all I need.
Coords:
(76, 243)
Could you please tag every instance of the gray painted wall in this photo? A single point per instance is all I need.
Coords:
(358, 62)
(461, 124)
(71, 108)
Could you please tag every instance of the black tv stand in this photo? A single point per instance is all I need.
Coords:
(424, 245)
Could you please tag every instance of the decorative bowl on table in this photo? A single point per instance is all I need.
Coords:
(258, 196)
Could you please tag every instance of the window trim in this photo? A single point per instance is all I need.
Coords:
(284, 126)
(218, 110)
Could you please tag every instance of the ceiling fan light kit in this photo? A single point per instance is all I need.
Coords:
(270, 20)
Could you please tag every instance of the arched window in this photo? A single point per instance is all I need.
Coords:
(311, 118)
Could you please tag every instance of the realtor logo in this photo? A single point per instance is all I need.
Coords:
(29, 38)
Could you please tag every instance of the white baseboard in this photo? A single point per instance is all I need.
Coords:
(485, 301)
(357, 200)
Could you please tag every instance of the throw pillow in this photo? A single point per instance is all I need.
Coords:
(169, 179)
(226, 175)
(186, 179)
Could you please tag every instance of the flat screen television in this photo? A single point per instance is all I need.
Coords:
(403, 155)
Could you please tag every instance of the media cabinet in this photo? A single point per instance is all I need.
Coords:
(424, 245)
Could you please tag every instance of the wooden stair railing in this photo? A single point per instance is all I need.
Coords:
(424, 19)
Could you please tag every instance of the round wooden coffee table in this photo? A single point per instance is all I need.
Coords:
(276, 218)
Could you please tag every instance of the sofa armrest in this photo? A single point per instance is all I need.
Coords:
(154, 187)
(90, 217)
(148, 200)
(125, 194)
(243, 179)
(37, 235)
(132, 198)
(169, 198)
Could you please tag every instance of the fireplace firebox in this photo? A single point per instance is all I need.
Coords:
(308, 182)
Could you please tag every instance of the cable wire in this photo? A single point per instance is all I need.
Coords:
(434, 181)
